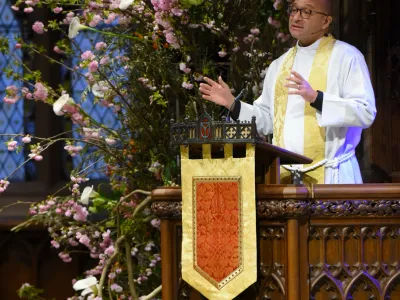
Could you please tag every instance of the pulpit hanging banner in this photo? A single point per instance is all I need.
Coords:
(219, 249)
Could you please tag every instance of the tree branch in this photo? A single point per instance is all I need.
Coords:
(138, 208)
(141, 205)
(152, 294)
(129, 264)
(130, 195)
(108, 264)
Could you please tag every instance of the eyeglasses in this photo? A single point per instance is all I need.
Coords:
(305, 13)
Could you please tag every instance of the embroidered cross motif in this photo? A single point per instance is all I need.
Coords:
(231, 133)
(246, 133)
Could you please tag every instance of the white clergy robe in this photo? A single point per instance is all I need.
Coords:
(348, 107)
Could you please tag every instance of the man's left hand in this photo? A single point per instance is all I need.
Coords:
(300, 87)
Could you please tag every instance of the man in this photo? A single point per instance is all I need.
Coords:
(316, 99)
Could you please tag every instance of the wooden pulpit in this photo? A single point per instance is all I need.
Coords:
(209, 238)
(317, 241)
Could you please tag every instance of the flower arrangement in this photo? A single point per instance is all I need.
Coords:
(146, 70)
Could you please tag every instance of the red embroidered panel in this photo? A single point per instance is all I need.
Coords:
(217, 228)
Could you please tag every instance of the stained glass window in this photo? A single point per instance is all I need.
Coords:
(11, 116)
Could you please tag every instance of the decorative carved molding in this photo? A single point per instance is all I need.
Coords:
(167, 209)
(265, 209)
(292, 208)
(282, 208)
(355, 208)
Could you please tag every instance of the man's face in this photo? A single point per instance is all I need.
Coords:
(308, 30)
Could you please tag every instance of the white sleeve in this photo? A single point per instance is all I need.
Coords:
(356, 105)
(262, 108)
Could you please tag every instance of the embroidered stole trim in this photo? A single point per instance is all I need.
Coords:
(314, 136)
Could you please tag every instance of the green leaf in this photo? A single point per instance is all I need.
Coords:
(4, 45)
(53, 24)
(110, 223)
(195, 2)
(159, 99)
(93, 209)
(98, 202)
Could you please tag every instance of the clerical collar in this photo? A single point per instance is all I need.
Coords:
(311, 47)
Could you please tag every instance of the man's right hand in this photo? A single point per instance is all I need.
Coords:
(219, 93)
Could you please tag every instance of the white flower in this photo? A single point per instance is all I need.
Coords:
(255, 89)
(61, 102)
(110, 141)
(263, 73)
(99, 88)
(88, 285)
(125, 4)
(74, 27)
(156, 166)
(88, 193)
(182, 66)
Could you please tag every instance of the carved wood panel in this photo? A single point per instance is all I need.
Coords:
(344, 261)
(273, 262)
(354, 262)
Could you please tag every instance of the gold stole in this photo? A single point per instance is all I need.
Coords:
(314, 136)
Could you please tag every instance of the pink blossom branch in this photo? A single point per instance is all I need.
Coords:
(108, 264)
(142, 205)
(39, 138)
(14, 203)
(29, 159)
(56, 61)
(50, 90)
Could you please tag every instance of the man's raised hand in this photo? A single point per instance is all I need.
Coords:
(300, 87)
(217, 92)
